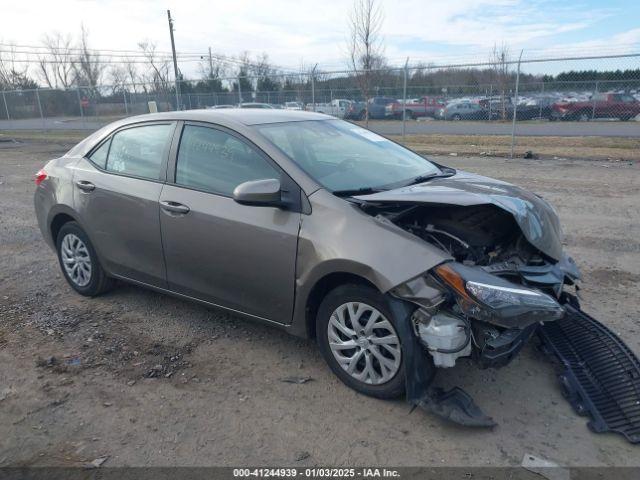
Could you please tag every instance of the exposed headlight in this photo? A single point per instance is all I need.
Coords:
(493, 299)
(497, 297)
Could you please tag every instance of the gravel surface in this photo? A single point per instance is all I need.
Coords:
(138, 378)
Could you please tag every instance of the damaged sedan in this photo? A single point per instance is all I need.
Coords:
(396, 265)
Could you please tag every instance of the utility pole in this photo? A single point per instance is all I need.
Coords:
(210, 64)
(175, 60)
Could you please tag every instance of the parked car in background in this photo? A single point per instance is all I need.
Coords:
(378, 106)
(601, 105)
(422, 107)
(463, 111)
(217, 107)
(337, 107)
(355, 111)
(293, 106)
(255, 105)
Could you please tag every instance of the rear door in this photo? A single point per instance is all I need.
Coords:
(237, 256)
(116, 192)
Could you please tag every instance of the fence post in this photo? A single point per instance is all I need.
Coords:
(239, 92)
(404, 98)
(593, 107)
(490, 101)
(6, 106)
(80, 106)
(124, 97)
(313, 87)
(515, 106)
(541, 100)
(40, 106)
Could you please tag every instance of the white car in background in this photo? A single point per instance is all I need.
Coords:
(293, 106)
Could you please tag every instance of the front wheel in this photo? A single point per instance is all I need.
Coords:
(79, 262)
(358, 340)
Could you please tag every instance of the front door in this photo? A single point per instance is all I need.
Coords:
(116, 192)
(237, 256)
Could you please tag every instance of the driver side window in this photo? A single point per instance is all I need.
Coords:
(217, 162)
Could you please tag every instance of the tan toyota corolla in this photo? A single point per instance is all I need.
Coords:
(395, 264)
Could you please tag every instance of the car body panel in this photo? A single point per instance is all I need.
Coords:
(535, 217)
(121, 217)
(237, 256)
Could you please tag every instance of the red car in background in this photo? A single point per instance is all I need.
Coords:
(423, 107)
(601, 105)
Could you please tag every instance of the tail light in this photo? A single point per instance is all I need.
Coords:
(40, 176)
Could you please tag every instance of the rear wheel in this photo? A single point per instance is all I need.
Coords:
(456, 117)
(79, 262)
(584, 116)
(358, 340)
(408, 114)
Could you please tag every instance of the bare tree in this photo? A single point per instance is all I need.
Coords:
(14, 74)
(366, 52)
(500, 69)
(56, 67)
(88, 66)
(132, 74)
(157, 73)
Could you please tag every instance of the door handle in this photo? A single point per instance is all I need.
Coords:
(85, 186)
(174, 207)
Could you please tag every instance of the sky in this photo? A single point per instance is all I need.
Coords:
(296, 32)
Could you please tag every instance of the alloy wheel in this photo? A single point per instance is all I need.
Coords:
(364, 343)
(76, 259)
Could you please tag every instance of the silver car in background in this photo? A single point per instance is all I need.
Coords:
(395, 264)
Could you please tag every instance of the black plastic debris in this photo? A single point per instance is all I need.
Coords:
(455, 405)
(599, 374)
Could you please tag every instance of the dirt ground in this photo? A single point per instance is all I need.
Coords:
(146, 379)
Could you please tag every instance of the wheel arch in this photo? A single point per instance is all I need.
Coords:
(320, 289)
(56, 223)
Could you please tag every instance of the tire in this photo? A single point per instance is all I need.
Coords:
(368, 302)
(456, 118)
(583, 116)
(408, 115)
(74, 248)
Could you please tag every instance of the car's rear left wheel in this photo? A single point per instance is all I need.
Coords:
(79, 262)
(358, 340)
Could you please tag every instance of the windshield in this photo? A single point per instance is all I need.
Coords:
(343, 156)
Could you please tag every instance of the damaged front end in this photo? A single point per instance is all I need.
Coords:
(505, 275)
(487, 302)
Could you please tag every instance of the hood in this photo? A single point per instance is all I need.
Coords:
(536, 218)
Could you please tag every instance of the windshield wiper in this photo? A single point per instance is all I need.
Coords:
(355, 191)
(449, 172)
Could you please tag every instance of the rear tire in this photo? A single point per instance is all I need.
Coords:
(376, 369)
(79, 262)
(456, 118)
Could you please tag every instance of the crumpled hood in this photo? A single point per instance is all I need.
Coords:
(537, 218)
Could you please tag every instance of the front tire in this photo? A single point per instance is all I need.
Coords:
(357, 337)
(79, 262)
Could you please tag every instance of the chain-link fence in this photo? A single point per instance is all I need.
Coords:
(414, 99)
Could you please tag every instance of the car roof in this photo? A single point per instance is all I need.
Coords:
(244, 116)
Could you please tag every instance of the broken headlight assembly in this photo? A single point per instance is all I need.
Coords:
(493, 299)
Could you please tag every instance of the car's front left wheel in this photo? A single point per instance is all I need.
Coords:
(79, 262)
(358, 339)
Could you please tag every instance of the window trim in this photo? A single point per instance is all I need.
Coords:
(286, 182)
(162, 175)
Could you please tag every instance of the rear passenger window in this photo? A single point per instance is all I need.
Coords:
(99, 156)
(139, 151)
(216, 162)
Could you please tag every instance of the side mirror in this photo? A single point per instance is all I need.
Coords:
(259, 193)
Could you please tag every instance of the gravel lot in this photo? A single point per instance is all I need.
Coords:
(145, 379)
